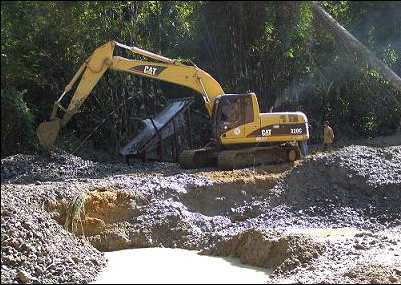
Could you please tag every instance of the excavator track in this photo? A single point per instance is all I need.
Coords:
(232, 159)
(197, 158)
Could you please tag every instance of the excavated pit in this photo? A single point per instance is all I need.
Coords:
(266, 215)
(113, 219)
(232, 202)
(103, 211)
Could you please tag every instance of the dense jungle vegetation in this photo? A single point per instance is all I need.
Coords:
(279, 50)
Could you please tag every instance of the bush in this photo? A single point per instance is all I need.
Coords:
(17, 128)
(353, 107)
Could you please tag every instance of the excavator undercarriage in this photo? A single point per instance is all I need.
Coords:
(239, 158)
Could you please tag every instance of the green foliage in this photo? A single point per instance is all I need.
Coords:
(278, 50)
(353, 108)
(17, 134)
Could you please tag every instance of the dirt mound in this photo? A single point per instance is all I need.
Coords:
(62, 166)
(22, 168)
(34, 248)
(374, 274)
(270, 249)
(356, 177)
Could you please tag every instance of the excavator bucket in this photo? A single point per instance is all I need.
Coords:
(47, 132)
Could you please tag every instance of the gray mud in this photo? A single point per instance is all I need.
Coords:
(264, 215)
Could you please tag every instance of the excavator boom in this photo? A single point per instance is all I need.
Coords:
(102, 59)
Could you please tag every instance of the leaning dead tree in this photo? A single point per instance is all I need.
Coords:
(342, 34)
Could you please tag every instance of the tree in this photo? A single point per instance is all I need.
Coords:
(356, 46)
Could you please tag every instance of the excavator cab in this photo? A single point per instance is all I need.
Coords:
(231, 113)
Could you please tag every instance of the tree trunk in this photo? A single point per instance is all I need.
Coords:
(340, 32)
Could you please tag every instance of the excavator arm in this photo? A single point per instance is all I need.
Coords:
(102, 59)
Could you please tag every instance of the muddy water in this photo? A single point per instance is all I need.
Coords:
(326, 233)
(176, 266)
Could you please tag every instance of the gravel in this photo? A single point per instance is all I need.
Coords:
(356, 187)
(356, 184)
(62, 166)
(34, 248)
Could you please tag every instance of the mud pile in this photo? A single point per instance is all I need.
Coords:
(269, 249)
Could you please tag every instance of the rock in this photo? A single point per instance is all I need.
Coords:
(24, 277)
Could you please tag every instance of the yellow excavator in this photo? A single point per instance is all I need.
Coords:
(242, 136)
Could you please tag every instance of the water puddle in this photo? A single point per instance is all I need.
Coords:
(326, 233)
(176, 266)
